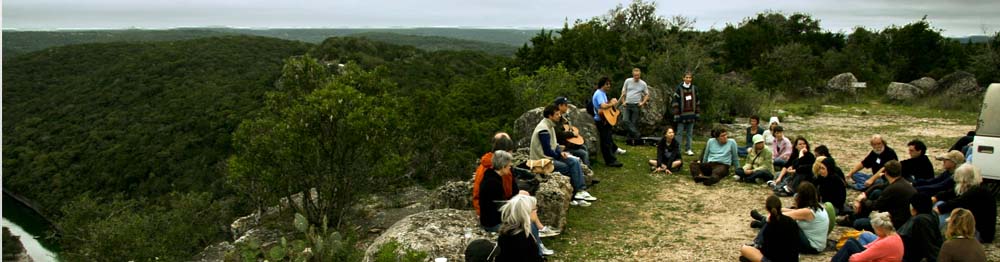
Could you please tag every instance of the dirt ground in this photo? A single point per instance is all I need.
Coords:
(692, 222)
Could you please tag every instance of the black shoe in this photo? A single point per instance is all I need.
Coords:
(700, 179)
(756, 215)
(712, 181)
(594, 181)
(616, 164)
(756, 224)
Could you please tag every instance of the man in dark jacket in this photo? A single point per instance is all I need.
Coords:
(895, 200)
(918, 166)
(921, 235)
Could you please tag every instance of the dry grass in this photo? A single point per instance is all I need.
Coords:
(644, 217)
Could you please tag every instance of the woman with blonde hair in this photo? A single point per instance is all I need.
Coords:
(969, 194)
(960, 245)
(516, 242)
(888, 246)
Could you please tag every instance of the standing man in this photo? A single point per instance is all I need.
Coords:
(635, 93)
(600, 102)
(685, 105)
(563, 133)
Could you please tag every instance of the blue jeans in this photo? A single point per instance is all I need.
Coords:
(859, 181)
(571, 167)
(863, 223)
(632, 114)
(753, 176)
(779, 163)
(538, 238)
(581, 153)
(681, 128)
(851, 247)
(743, 151)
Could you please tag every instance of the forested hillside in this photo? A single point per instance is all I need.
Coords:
(20, 42)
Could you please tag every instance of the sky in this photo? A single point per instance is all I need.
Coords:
(954, 17)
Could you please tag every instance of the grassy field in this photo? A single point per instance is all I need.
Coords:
(645, 217)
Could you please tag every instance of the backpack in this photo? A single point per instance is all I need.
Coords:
(590, 108)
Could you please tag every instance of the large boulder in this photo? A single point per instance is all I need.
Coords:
(960, 83)
(902, 91)
(843, 83)
(454, 194)
(437, 232)
(578, 117)
(553, 196)
(926, 84)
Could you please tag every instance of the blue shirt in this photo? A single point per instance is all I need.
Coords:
(719, 153)
(599, 98)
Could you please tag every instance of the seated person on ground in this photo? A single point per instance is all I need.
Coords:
(969, 193)
(830, 182)
(718, 158)
(759, 166)
(780, 242)
(895, 199)
(809, 215)
(796, 170)
(921, 234)
(918, 167)
(876, 159)
(769, 133)
(543, 145)
(668, 154)
(782, 147)
(961, 244)
(944, 181)
(888, 246)
(754, 129)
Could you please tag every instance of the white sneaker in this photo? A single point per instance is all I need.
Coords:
(546, 251)
(582, 203)
(690, 153)
(583, 195)
(736, 177)
(620, 151)
(770, 183)
(548, 231)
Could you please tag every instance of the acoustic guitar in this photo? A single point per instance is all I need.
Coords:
(577, 139)
(611, 114)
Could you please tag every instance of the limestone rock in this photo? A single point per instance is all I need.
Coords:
(902, 91)
(960, 83)
(438, 232)
(926, 84)
(215, 252)
(553, 196)
(843, 83)
(454, 194)
(578, 117)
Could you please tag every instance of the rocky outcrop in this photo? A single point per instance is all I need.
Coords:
(960, 83)
(438, 233)
(843, 83)
(553, 197)
(926, 84)
(579, 117)
(656, 111)
(215, 252)
(454, 194)
(902, 91)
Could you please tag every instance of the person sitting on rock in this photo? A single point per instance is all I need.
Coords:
(515, 241)
(759, 166)
(563, 133)
(503, 142)
(668, 154)
(493, 192)
(880, 154)
(780, 240)
(754, 129)
(943, 182)
(719, 157)
(544, 146)
(796, 170)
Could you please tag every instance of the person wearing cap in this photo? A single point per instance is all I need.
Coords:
(686, 106)
(921, 235)
(769, 133)
(758, 166)
(881, 153)
(563, 133)
(635, 93)
(944, 181)
(753, 129)
(544, 146)
(600, 101)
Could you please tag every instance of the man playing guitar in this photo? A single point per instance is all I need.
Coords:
(568, 135)
(601, 104)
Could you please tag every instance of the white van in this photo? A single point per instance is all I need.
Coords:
(985, 145)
